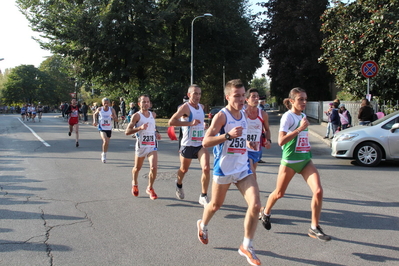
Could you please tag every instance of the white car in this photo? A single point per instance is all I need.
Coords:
(369, 144)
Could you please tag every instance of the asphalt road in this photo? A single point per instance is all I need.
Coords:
(59, 205)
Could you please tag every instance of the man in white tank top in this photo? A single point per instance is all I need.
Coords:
(258, 122)
(228, 134)
(143, 125)
(103, 117)
(190, 116)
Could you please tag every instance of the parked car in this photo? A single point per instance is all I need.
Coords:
(369, 144)
(213, 112)
(266, 106)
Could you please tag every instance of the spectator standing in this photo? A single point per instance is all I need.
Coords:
(329, 125)
(366, 113)
(345, 117)
(133, 109)
(335, 120)
(84, 110)
(122, 107)
(117, 110)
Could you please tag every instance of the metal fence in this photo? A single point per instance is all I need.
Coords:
(316, 110)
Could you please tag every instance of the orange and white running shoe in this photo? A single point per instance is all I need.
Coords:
(250, 255)
(151, 192)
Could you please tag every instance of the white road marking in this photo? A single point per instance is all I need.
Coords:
(34, 133)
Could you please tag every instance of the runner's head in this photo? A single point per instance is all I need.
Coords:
(296, 99)
(105, 101)
(144, 102)
(73, 101)
(194, 94)
(252, 97)
(235, 94)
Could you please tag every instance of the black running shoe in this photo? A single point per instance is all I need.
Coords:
(69, 133)
(77, 144)
(318, 234)
(266, 221)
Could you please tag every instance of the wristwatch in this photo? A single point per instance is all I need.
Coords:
(227, 136)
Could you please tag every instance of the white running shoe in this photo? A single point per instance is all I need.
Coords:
(103, 157)
(179, 192)
(203, 200)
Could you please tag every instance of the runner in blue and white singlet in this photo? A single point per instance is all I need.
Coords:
(102, 118)
(228, 135)
(105, 119)
(231, 156)
(193, 135)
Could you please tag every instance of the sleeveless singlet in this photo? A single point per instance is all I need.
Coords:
(104, 119)
(231, 156)
(193, 135)
(255, 127)
(146, 138)
(298, 148)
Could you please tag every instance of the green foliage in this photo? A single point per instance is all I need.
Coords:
(291, 39)
(262, 85)
(361, 31)
(129, 47)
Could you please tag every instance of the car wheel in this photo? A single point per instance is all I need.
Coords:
(368, 154)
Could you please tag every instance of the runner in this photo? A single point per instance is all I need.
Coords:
(39, 111)
(296, 158)
(103, 117)
(23, 112)
(258, 122)
(228, 135)
(33, 111)
(28, 112)
(73, 121)
(143, 125)
(190, 116)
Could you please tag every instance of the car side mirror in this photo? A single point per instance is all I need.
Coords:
(394, 127)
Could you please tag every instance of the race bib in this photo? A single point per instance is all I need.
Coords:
(236, 147)
(197, 133)
(302, 142)
(148, 140)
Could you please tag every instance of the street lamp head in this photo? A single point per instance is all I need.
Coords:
(208, 15)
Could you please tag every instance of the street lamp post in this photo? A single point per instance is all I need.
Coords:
(192, 44)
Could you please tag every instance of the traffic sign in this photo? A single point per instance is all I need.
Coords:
(369, 69)
(72, 94)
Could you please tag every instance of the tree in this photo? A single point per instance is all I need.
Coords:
(361, 31)
(291, 40)
(133, 47)
(22, 85)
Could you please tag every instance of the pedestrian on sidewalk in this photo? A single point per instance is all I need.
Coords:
(335, 120)
(296, 158)
(345, 117)
(143, 125)
(228, 135)
(329, 125)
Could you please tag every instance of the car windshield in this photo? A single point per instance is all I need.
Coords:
(383, 119)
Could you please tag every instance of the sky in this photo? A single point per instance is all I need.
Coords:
(17, 46)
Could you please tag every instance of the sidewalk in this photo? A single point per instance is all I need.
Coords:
(319, 131)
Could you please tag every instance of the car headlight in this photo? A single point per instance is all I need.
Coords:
(347, 137)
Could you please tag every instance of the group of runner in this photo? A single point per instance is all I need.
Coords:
(30, 111)
(237, 134)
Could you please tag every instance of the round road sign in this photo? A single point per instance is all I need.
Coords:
(369, 69)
